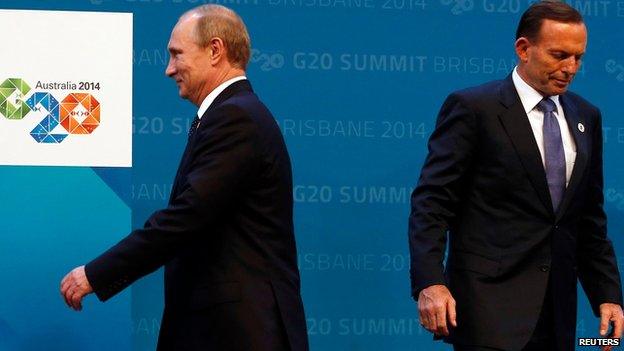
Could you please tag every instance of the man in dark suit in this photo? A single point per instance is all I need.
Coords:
(514, 175)
(226, 238)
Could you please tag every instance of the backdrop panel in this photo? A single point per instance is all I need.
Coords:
(65, 100)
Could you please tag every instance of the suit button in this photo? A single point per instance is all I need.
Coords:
(544, 268)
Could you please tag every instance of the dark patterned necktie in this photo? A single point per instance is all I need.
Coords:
(193, 126)
(553, 152)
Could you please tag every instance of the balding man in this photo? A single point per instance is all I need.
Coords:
(226, 238)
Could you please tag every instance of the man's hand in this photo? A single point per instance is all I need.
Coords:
(611, 313)
(436, 306)
(74, 287)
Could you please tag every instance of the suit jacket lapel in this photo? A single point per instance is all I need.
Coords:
(518, 127)
(234, 88)
(573, 119)
(177, 179)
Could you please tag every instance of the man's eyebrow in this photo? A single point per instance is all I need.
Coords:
(566, 53)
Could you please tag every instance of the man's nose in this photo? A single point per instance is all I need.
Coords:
(571, 65)
(170, 70)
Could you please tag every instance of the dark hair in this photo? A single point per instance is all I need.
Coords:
(532, 19)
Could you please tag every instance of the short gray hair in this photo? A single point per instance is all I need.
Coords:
(216, 21)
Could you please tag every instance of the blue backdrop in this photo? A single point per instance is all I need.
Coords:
(355, 86)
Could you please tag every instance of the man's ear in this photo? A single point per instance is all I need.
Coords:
(217, 50)
(522, 49)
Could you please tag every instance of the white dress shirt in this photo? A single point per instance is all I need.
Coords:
(213, 95)
(530, 98)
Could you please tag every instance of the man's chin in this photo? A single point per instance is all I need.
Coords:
(556, 90)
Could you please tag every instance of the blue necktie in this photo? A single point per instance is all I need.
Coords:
(553, 152)
(193, 127)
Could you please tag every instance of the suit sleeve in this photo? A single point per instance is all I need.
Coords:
(597, 266)
(434, 202)
(223, 159)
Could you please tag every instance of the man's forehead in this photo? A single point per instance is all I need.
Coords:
(185, 24)
(181, 33)
(555, 30)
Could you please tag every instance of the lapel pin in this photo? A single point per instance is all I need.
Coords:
(581, 127)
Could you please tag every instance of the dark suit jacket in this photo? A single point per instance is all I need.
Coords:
(226, 238)
(483, 181)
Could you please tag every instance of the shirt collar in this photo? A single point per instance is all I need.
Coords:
(214, 93)
(528, 95)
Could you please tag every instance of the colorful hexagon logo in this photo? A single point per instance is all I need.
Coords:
(13, 89)
(80, 113)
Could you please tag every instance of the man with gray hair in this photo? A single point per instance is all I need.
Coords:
(226, 238)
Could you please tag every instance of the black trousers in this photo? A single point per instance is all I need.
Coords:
(543, 338)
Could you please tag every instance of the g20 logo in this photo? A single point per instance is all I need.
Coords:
(77, 113)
